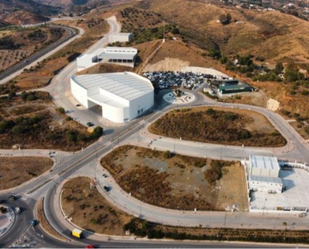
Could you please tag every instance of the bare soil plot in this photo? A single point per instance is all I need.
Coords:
(89, 210)
(220, 126)
(30, 120)
(177, 181)
(17, 170)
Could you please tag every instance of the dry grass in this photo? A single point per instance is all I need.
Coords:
(178, 182)
(267, 34)
(222, 126)
(28, 46)
(89, 210)
(105, 68)
(17, 170)
(44, 223)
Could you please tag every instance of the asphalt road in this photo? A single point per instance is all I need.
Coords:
(67, 165)
(23, 64)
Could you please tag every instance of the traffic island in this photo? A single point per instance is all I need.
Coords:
(219, 126)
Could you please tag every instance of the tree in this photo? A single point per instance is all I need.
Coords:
(279, 68)
(60, 110)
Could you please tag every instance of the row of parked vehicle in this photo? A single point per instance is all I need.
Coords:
(168, 79)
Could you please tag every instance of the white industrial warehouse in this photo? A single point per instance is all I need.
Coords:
(118, 55)
(264, 174)
(122, 96)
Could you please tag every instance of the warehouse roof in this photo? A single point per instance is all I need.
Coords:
(235, 86)
(266, 179)
(263, 162)
(125, 85)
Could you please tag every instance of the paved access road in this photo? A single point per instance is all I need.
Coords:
(15, 70)
(69, 164)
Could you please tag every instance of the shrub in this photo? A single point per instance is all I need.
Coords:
(60, 110)
(167, 154)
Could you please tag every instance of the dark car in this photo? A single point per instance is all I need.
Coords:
(33, 222)
(89, 124)
(12, 198)
(105, 176)
(106, 188)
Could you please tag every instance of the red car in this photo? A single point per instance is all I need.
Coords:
(89, 246)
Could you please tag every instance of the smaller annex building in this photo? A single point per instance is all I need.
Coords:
(125, 56)
(122, 96)
(264, 174)
(120, 37)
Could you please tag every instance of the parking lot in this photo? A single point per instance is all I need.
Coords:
(295, 195)
(190, 80)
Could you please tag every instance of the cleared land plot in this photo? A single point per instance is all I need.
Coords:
(17, 170)
(177, 181)
(220, 126)
(89, 210)
(296, 194)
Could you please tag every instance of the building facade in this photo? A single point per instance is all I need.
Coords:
(117, 55)
(122, 96)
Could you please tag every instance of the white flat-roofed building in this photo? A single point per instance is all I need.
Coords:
(122, 96)
(264, 166)
(265, 184)
(120, 37)
(125, 56)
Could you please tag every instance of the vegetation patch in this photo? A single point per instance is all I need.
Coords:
(90, 210)
(221, 126)
(18, 170)
(156, 231)
(30, 120)
(177, 181)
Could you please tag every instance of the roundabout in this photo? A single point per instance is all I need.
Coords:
(179, 97)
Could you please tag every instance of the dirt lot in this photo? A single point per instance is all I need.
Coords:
(17, 170)
(177, 182)
(31, 120)
(89, 210)
(219, 125)
(175, 55)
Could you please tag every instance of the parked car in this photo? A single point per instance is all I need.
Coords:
(89, 124)
(12, 198)
(105, 176)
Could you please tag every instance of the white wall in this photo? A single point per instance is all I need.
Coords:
(114, 114)
(119, 38)
(144, 102)
(265, 186)
(264, 172)
(79, 93)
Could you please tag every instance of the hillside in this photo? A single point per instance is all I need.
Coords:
(23, 17)
(71, 4)
(272, 35)
(9, 6)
